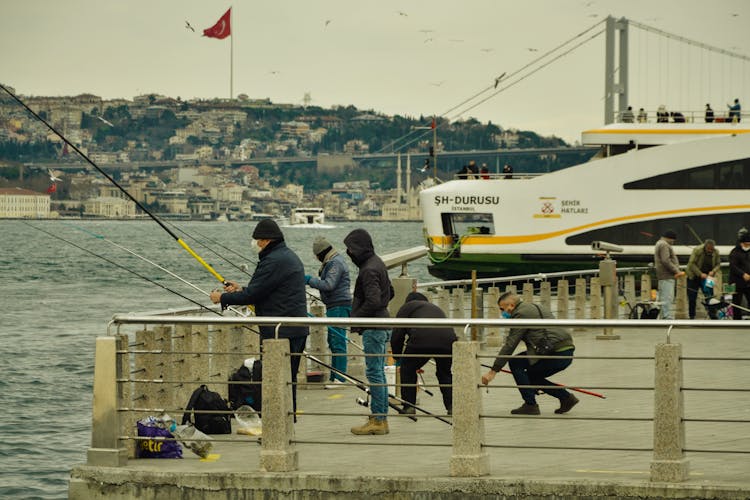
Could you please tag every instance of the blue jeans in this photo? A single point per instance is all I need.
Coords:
(666, 298)
(527, 374)
(337, 341)
(373, 342)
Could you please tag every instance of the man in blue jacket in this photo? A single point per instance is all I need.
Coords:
(277, 288)
(372, 293)
(335, 292)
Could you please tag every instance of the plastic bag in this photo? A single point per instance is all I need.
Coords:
(158, 446)
(198, 442)
(248, 421)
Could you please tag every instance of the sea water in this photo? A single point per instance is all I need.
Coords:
(56, 299)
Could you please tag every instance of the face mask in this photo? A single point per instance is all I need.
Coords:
(746, 249)
(254, 248)
(505, 314)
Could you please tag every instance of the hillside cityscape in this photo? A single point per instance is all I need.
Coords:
(241, 158)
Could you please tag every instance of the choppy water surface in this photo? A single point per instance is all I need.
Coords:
(57, 299)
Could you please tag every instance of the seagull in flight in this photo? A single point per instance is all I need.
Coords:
(328, 21)
(497, 80)
(437, 84)
(532, 49)
(428, 40)
(53, 177)
(187, 26)
(274, 72)
(402, 13)
(105, 121)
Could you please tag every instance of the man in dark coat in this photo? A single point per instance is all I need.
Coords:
(430, 342)
(277, 288)
(739, 274)
(372, 293)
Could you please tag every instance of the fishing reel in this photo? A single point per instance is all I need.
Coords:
(363, 401)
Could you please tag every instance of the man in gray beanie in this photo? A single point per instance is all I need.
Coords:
(667, 271)
(277, 288)
(335, 292)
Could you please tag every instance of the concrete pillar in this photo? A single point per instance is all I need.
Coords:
(545, 294)
(669, 463)
(318, 341)
(680, 306)
(199, 366)
(402, 286)
(163, 364)
(629, 291)
(236, 346)
(596, 298)
(277, 454)
(127, 419)
(608, 281)
(645, 287)
(457, 309)
(443, 301)
(468, 459)
(217, 358)
(145, 369)
(563, 299)
(528, 292)
(106, 450)
(494, 338)
(580, 298)
(183, 343)
(479, 301)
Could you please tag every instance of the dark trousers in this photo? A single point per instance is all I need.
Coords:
(527, 374)
(737, 313)
(693, 285)
(409, 367)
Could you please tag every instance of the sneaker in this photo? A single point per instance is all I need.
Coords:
(335, 384)
(526, 409)
(373, 426)
(567, 404)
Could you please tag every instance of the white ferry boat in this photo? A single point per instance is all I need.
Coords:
(313, 217)
(647, 177)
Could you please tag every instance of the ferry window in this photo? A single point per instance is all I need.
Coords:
(690, 230)
(726, 175)
(464, 224)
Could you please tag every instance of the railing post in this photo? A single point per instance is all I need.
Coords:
(319, 345)
(106, 449)
(468, 459)
(608, 281)
(277, 453)
(563, 299)
(669, 463)
(494, 339)
(680, 306)
(545, 294)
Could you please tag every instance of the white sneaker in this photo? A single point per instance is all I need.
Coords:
(335, 384)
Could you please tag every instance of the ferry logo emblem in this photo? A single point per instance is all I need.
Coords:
(547, 208)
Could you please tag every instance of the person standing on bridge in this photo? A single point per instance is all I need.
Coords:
(667, 271)
(372, 293)
(541, 341)
(739, 274)
(704, 263)
(335, 292)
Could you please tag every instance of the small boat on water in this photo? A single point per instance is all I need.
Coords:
(308, 217)
(646, 178)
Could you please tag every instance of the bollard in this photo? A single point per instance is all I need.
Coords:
(494, 339)
(318, 341)
(562, 299)
(669, 463)
(277, 454)
(106, 449)
(468, 459)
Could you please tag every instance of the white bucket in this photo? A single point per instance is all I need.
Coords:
(390, 377)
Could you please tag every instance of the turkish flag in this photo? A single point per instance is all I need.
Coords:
(52, 188)
(221, 29)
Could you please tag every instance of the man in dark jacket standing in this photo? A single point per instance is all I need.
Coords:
(544, 341)
(372, 292)
(429, 342)
(277, 288)
(739, 274)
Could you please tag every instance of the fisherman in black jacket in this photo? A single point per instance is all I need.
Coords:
(372, 293)
(277, 288)
(430, 342)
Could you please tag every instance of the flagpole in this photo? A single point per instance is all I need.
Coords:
(231, 56)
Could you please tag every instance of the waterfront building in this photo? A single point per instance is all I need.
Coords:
(109, 207)
(19, 203)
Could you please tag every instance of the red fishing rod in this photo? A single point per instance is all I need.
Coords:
(577, 389)
(118, 186)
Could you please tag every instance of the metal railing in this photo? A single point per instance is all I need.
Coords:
(172, 354)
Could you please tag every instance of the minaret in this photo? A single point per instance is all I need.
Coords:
(408, 180)
(398, 179)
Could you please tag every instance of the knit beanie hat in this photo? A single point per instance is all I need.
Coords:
(670, 234)
(267, 229)
(320, 244)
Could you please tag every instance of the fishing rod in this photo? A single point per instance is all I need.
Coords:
(179, 240)
(582, 391)
(242, 268)
(121, 267)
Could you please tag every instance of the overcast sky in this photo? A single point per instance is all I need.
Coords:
(408, 57)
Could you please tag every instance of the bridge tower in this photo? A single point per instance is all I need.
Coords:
(615, 68)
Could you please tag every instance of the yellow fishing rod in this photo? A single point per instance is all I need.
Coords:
(179, 240)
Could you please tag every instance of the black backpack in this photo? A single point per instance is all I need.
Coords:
(250, 393)
(208, 423)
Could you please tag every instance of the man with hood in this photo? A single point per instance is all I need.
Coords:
(432, 342)
(277, 288)
(372, 293)
(667, 271)
(335, 292)
(542, 341)
(739, 273)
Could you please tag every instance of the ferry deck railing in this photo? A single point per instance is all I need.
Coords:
(173, 353)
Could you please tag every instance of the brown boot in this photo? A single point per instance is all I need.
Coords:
(567, 404)
(526, 409)
(373, 426)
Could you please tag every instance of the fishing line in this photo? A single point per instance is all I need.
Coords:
(240, 268)
(124, 191)
(122, 267)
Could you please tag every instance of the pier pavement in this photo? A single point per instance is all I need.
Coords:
(413, 460)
